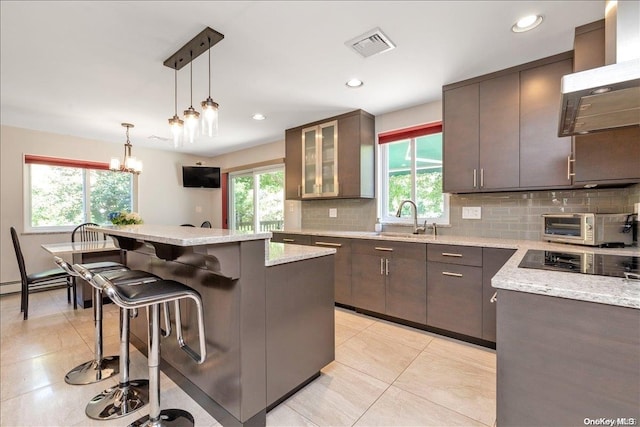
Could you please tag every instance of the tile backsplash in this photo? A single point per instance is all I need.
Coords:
(514, 215)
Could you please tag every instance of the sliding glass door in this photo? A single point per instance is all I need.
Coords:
(257, 200)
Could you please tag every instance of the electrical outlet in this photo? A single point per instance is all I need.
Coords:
(333, 213)
(471, 212)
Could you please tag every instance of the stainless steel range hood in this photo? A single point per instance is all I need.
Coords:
(607, 97)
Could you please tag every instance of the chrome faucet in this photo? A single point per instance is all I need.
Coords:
(416, 229)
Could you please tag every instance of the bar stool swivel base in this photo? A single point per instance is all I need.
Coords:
(168, 418)
(93, 371)
(119, 401)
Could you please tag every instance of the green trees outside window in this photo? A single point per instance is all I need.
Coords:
(258, 200)
(67, 196)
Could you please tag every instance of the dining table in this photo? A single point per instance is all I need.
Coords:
(83, 252)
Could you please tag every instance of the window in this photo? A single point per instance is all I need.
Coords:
(257, 200)
(62, 193)
(411, 168)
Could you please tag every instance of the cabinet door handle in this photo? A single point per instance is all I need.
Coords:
(386, 263)
(475, 179)
(288, 240)
(451, 254)
(380, 248)
(481, 177)
(494, 298)
(381, 266)
(447, 273)
(333, 245)
(569, 173)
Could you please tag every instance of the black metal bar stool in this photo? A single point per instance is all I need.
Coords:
(101, 367)
(151, 295)
(129, 395)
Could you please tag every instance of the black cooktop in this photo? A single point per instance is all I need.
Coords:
(582, 262)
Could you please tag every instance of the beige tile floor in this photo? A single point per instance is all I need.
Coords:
(384, 374)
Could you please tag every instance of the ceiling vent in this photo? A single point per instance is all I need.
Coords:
(371, 43)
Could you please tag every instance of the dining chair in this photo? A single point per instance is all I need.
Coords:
(81, 234)
(187, 225)
(40, 281)
(205, 224)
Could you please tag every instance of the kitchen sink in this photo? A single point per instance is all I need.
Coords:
(406, 235)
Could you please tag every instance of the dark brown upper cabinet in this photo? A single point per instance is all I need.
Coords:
(609, 157)
(331, 158)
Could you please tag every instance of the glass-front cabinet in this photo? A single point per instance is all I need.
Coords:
(320, 160)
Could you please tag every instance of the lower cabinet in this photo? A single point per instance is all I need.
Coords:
(295, 238)
(492, 260)
(459, 288)
(390, 278)
(342, 281)
(454, 289)
(563, 362)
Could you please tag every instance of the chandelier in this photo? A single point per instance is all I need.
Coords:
(129, 163)
(187, 126)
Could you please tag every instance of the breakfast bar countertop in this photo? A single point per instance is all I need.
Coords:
(179, 235)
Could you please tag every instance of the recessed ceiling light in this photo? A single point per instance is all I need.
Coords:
(354, 83)
(527, 23)
(259, 116)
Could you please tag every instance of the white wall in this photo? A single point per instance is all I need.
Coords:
(162, 199)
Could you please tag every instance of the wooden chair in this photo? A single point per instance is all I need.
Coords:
(40, 281)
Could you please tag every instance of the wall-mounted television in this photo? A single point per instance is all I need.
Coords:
(200, 177)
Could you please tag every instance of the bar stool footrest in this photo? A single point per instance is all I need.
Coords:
(168, 418)
(119, 401)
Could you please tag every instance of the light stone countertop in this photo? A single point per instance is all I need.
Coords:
(280, 253)
(178, 235)
(583, 287)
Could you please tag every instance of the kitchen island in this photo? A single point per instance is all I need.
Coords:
(268, 314)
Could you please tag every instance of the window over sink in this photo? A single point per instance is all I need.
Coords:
(411, 168)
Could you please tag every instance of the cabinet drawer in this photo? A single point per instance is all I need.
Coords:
(298, 239)
(455, 254)
(390, 249)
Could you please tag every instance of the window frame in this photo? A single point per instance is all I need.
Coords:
(254, 172)
(411, 134)
(85, 165)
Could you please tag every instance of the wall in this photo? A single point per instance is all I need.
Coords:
(162, 199)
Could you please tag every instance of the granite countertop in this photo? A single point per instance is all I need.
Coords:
(280, 253)
(179, 236)
(584, 287)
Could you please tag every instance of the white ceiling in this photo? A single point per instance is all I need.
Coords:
(82, 67)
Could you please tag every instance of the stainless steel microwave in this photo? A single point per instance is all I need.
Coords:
(589, 229)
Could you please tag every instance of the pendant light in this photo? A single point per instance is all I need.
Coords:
(209, 108)
(191, 116)
(129, 163)
(175, 122)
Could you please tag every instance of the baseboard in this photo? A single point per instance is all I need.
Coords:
(9, 288)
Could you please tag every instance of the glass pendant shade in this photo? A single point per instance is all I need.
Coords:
(114, 164)
(177, 128)
(209, 117)
(191, 117)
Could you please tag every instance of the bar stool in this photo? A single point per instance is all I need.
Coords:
(152, 295)
(129, 395)
(100, 368)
